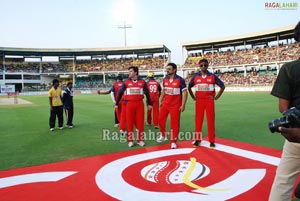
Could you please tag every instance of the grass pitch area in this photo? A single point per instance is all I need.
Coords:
(26, 140)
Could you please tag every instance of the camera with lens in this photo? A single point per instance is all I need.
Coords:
(290, 119)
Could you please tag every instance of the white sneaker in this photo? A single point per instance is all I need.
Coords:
(51, 129)
(141, 143)
(116, 125)
(70, 126)
(60, 128)
(130, 144)
(173, 145)
(161, 139)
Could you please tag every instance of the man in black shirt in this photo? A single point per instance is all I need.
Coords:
(287, 89)
(68, 104)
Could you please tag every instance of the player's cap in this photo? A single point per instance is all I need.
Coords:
(150, 75)
(119, 77)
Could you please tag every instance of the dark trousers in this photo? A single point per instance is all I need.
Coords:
(69, 114)
(56, 111)
(116, 118)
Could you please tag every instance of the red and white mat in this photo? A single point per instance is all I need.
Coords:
(231, 171)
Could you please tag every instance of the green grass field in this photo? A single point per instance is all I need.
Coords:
(26, 140)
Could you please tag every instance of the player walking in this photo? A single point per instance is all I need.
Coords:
(155, 91)
(120, 117)
(121, 110)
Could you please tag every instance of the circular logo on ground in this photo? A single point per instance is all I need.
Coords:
(173, 175)
(174, 172)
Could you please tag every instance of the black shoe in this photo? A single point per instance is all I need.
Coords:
(196, 143)
(212, 145)
(123, 133)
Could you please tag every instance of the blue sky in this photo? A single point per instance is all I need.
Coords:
(94, 23)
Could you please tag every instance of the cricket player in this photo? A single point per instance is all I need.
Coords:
(173, 99)
(121, 110)
(113, 91)
(133, 90)
(155, 91)
(205, 96)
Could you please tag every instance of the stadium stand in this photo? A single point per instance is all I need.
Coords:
(249, 56)
(87, 68)
(246, 60)
(114, 64)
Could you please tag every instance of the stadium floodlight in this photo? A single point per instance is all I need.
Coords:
(125, 26)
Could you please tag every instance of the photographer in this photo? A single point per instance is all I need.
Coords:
(287, 89)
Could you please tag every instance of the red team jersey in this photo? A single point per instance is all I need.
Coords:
(133, 90)
(205, 85)
(115, 88)
(173, 90)
(154, 89)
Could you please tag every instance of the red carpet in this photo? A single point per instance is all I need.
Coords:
(231, 171)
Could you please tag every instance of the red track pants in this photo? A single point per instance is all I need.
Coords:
(121, 114)
(118, 111)
(135, 116)
(207, 105)
(174, 121)
(155, 111)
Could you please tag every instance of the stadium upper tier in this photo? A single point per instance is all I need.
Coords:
(96, 65)
(283, 52)
(82, 60)
(271, 46)
(254, 48)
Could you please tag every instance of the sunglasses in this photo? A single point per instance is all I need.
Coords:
(203, 65)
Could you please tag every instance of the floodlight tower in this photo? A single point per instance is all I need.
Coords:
(125, 26)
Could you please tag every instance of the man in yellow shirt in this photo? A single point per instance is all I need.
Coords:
(56, 106)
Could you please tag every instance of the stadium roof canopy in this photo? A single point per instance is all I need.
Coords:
(261, 37)
(84, 51)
